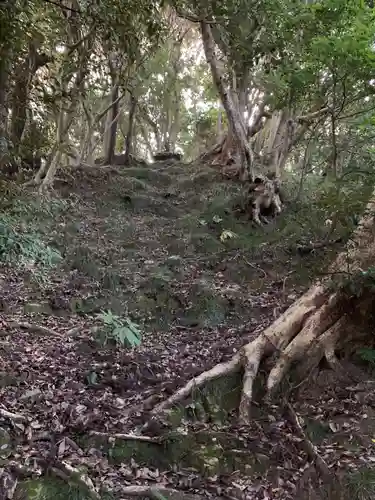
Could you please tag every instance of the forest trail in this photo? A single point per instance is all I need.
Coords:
(145, 244)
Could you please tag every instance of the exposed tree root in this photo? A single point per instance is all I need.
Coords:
(306, 249)
(216, 372)
(307, 332)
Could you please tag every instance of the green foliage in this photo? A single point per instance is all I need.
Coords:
(360, 283)
(367, 355)
(23, 248)
(45, 488)
(121, 331)
(360, 485)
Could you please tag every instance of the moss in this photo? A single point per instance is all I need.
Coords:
(49, 488)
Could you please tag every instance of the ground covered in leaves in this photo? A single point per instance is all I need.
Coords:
(159, 245)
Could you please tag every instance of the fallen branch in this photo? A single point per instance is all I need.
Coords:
(12, 416)
(126, 437)
(157, 492)
(31, 327)
(306, 249)
(308, 446)
(69, 474)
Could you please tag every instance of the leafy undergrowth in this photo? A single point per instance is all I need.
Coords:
(147, 245)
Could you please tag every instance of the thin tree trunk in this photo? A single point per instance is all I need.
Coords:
(145, 138)
(4, 65)
(129, 135)
(114, 115)
(175, 127)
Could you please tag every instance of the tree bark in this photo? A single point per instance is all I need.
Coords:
(129, 135)
(113, 118)
(23, 76)
(154, 127)
(146, 138)
(322, 321)
(90, 144)
(4, 72)
(235, 120)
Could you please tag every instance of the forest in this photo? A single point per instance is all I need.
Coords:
(187, 249)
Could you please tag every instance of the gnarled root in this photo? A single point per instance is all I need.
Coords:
(309, 329)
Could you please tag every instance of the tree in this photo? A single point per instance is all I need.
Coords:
(83, 42)
(129, 135)
(261, 74)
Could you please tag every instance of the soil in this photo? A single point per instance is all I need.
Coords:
(146, 243)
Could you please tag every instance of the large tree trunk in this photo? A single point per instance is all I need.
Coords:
(324, 320)
(23, 76)
(235, 120)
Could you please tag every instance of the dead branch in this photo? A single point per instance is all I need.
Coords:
(306, 249)
(127, 437)
(12, 416)
(311, 116)
(308, 446)
(68, 473)
(31, 327)
(157, 492)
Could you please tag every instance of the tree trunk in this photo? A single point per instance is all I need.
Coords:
(235, 120)
(23, 76)
(154, 127)
(174, 127)
(146, 138)
(113, 117)
(129, 135)
(219, 123)
(90, 143)
(323, 321)
(4, 72)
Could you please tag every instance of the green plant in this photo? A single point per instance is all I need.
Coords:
(120, 330)
(24, 249)
(361, 484)
(368, 355)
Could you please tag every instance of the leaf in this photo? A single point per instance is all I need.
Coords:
(217, 219)
(226, 234)
(132, 338)
(92, 378)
